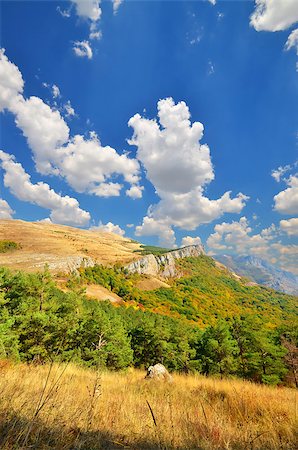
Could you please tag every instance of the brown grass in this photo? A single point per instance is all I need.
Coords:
(127, 411)
(42, 243)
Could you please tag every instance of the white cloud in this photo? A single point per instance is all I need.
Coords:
(237, 237)
(289, 226)
(88, 9)
(64, 12)
(213, 2)
(44, 129)
(11, 81)
(109, 228)
(152, 227)
(278, 173)
(70, 112)
(292, 41)
(95, 35)
(188, 240)
(5, 210)
(85, 164)
(56, 91)
(64, 210)
(286, 202)
(135, 192)
(83, 49)
(174, 159)
(211, 69)
(274, 15)
(116, 5)
(106, 190)
(179, 167)
(91, 11)
(286, 256)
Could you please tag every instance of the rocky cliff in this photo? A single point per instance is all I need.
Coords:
(163, 265)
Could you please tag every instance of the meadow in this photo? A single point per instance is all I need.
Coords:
(67, 407)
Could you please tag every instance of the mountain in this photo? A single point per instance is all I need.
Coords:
(184, 283)
(261, 272)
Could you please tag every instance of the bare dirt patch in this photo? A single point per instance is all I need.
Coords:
(151, 283)
(101, 293)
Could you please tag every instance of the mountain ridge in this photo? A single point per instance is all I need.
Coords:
(261, 272)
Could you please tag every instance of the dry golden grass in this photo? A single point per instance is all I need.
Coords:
(78, 411)
(43, 243)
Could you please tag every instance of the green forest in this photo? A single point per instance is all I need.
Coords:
(207, 321)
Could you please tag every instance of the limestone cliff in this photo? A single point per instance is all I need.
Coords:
(163, 265)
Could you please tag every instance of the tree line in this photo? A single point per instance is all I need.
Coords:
(39, 322)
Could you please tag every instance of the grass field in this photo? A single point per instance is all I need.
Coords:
(66, 407)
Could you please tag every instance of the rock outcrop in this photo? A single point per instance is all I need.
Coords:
(66, 264)
(163, 265)
(158, 372)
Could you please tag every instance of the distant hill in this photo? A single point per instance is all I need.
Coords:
(261, 272)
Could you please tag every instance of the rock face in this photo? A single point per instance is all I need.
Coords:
(67, 264)
(158, 372)
(164, 265)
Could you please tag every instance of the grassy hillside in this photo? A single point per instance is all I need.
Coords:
(37, 243)
(63, 407)
(203, 294)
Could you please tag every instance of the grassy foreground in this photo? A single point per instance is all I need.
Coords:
(66, 407)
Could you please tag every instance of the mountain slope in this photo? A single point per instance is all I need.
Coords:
(62, 248)
(203, 293)
(261, 272)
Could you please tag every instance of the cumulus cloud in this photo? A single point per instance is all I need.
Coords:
(152, 227)
(85, 164)
(44, 129)
(11, 82)
(135, 192)
(188, 240)
(179, 167)
(289, 226)
(5, 210)
(109, 228)
(83, 49)
(64, 210)
(286, 202)
(274, 15)
(237, 237)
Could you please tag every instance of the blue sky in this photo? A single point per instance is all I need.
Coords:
(227, 62)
